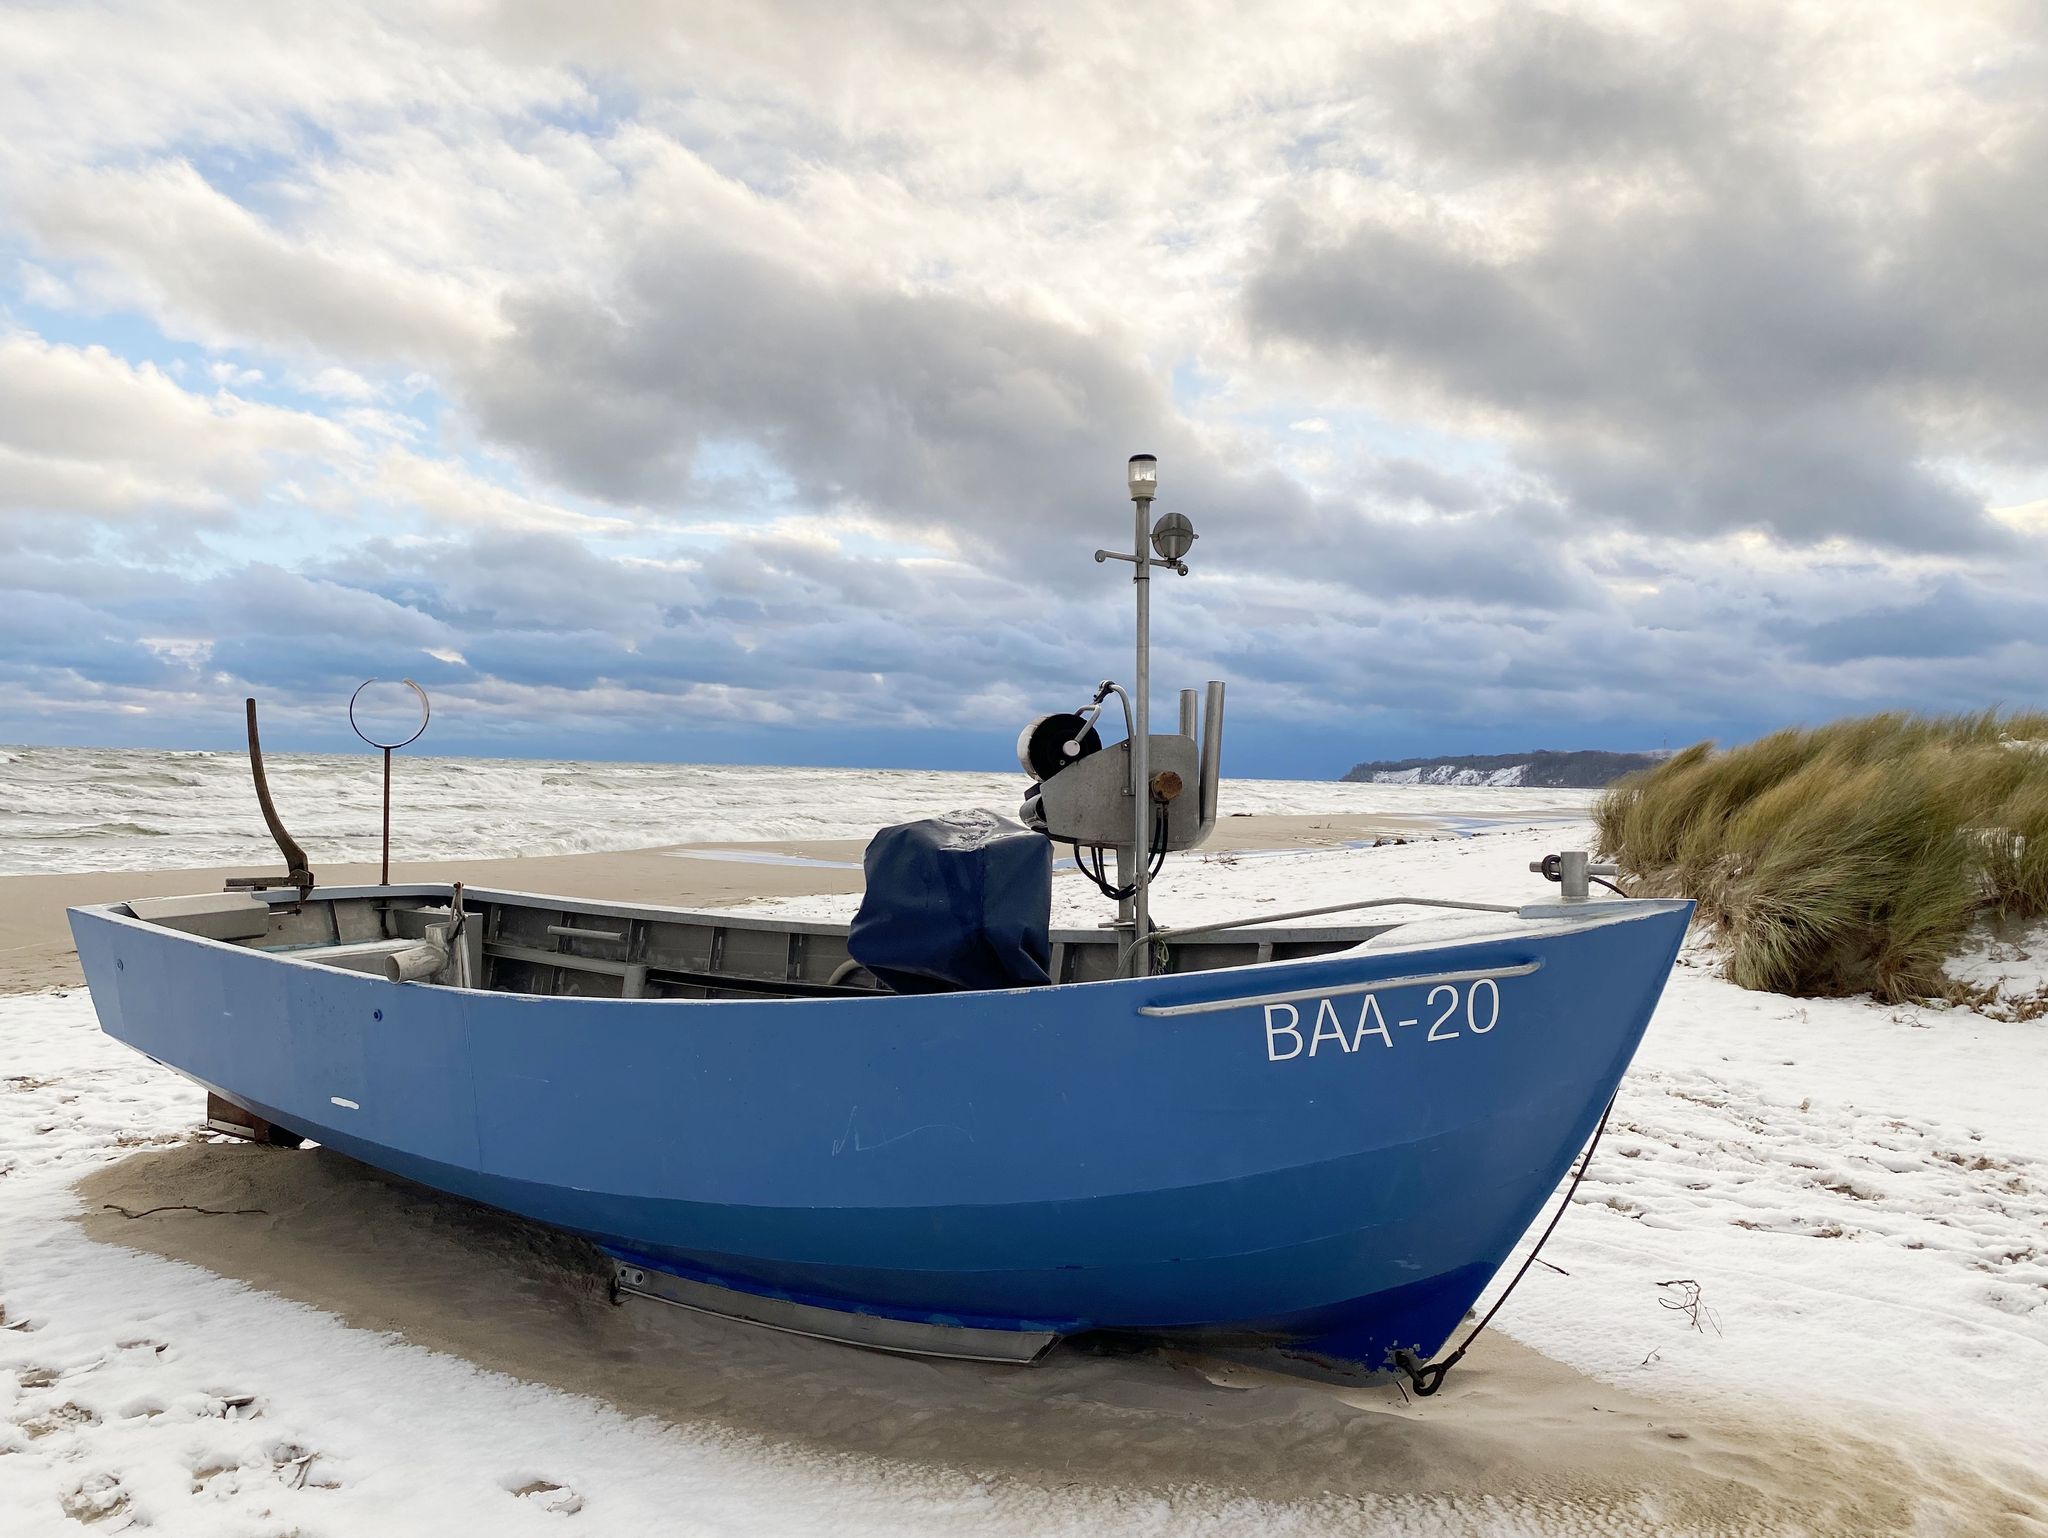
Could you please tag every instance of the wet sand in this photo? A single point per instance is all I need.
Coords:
(1510, 1428)
(35, 940)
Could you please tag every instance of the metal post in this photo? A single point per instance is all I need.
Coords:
(1141, 772)
(426, 714)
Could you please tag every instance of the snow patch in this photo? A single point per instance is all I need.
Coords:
(1451, 774)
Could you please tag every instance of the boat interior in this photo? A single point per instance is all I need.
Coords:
(512, 942)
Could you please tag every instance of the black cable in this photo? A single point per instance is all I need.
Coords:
(1427, 1380)
(1155, 858)
(1093, 873)
(1603, 881)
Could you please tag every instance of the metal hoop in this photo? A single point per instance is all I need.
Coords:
(426, 714)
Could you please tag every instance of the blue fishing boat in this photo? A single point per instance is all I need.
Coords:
(947, 1127)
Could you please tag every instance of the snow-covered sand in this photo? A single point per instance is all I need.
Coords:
(1855, 1196)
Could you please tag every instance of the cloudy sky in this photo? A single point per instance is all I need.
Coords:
(753, 381)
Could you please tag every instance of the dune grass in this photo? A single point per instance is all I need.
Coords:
(1848, 858)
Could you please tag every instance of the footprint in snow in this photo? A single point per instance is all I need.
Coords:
(549, 1496)
(297, 1468)
(219, 1480)
(64, 1417)
(95, 1499)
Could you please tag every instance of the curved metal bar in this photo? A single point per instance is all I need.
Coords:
(1109, 687)
(298, 872)
(1342, 990)
(1184, 930)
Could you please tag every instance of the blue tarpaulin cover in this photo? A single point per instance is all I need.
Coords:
(953, 902)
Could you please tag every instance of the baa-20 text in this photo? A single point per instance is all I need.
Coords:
(1448, 1012)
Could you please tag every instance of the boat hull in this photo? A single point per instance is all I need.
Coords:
(1340, 1171)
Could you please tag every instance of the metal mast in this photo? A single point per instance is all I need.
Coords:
(1171, 538)
(1144, 484)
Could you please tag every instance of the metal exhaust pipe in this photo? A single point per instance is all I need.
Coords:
(1187, 714)
(1212, 752)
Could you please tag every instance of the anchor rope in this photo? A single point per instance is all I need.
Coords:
(1426, 1380)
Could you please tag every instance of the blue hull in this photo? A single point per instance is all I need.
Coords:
(1340, 1171)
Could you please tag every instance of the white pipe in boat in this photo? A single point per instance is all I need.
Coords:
(416, 963)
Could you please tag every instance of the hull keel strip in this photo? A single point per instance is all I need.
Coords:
(904, 1337)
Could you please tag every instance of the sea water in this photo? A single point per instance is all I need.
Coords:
(82, 809)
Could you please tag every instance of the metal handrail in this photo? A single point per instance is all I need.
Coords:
(1184, 930)
(1342, 990)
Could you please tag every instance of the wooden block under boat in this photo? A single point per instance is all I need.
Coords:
(223, 1115)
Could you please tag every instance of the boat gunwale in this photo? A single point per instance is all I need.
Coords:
(1551, 919)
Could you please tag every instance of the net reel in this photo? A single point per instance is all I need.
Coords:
(1083, 795)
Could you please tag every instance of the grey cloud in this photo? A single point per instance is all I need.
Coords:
(538, 581)
(1404, 478)
(1950, 622)
(1748, 342)
(1543, 88)
(922, 406)
(939, 410)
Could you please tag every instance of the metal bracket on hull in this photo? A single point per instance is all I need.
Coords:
(903, 1337)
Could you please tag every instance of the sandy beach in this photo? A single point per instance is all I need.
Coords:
(1092, 1440)
(1520, 1429)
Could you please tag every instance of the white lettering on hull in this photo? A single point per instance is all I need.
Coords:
(1478, 1006)
(1274, 1032)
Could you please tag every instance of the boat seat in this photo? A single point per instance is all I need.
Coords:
(212, 915)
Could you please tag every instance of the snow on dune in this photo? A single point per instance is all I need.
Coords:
(1451, 774)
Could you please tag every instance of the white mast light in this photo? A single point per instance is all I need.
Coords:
(1144, 477)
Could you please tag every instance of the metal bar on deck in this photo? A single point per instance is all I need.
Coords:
(545, 958)
(1342, 990)
(1181, 932)
(570, 932)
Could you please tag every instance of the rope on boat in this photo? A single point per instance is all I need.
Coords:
(1426, 1380)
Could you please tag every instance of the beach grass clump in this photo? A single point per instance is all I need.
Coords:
(1848, 858)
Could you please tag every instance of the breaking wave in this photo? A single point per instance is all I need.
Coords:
(82, 809)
